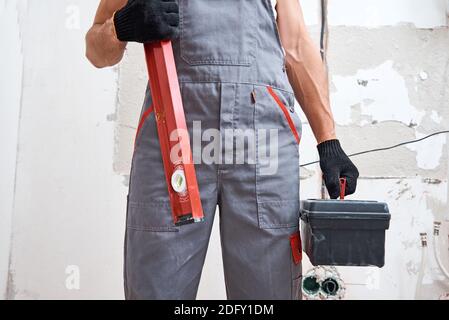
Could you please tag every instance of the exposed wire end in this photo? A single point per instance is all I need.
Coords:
(423, 239)
(436, 228)
(437, 250)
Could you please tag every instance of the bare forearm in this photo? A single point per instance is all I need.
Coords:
(308, 78)
(305, 69)
(103, 49)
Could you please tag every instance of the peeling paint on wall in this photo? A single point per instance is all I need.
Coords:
(429, 152)
(418, 103)
(435, 116)
(366, 97)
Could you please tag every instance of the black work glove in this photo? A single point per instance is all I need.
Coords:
(335, 164)
(147, 21)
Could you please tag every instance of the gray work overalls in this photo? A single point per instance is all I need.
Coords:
(232, 74)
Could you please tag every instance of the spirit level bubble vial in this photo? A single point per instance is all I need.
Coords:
(180, 176)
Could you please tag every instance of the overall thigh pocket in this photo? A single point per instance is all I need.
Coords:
(277, 164)
(152, 216)
(149, 207)
(217, 32)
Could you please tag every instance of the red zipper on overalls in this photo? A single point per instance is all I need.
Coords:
(286, 114)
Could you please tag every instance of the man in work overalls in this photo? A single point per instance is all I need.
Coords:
(239, 67)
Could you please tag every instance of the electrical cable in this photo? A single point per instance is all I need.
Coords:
(323, 29)
(436, 249)
(385, 148)
(422, 269)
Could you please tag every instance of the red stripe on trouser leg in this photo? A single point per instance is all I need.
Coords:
(145, 115)
(295, 242)
(291, 124)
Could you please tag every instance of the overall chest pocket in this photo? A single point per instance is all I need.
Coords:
(218, 32)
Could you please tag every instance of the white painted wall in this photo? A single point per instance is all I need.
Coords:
(10, 98)
(375, 13)
(68, 202)
(66, 132)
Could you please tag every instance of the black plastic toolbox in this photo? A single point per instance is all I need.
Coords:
(344, 232)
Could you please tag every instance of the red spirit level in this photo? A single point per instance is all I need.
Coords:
(173, 135)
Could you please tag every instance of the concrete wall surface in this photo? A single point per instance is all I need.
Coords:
(67, 130)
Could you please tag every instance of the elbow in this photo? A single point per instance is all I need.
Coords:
(90, 52)
(98, 62)
(95, 62)
(91, 55)
(102, 48)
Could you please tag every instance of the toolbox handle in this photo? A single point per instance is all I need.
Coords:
(342, 188)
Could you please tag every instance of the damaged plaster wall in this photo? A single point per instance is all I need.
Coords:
(397, 82)
(71, 130)
(389, 71)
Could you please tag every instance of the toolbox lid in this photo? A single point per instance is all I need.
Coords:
(347, 214)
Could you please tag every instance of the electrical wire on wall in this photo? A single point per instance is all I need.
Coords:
(386, 148)
(324, 36)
